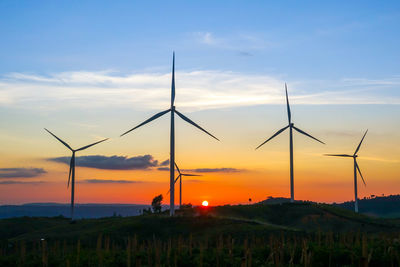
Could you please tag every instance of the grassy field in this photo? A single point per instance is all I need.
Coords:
(300, 234)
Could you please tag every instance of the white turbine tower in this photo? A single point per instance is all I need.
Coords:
(180, 182)
(172, 135)
(356, 168)
(72, 167)
(291, 127)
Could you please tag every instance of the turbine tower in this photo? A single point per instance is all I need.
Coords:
(356, 168)
(180, 182)
(72, 167)
(291, 127)
(173, 110)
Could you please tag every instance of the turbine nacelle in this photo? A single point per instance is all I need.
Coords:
(291, 127)
(356, 169)
(173, 111)
(71, 175)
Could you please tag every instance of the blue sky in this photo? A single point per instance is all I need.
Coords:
(316, 47)
(298, 40)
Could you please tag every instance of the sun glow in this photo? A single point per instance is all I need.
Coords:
(204, 203)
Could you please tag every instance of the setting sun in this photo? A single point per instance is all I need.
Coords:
(204, 203)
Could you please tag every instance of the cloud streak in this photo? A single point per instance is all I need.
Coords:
(203, 89)
(100, 181)
(21, 172)
(10, 182)
(205, 170)
(240, 43)
(113, 162)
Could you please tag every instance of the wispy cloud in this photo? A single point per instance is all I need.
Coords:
(203, 89)
(205, 170)
(21, 172)
(101, 181)
(165, 163)
(11, 182)
(239, 42)
(380, 159)
(113, 162)
(245, 54)
(207, 38)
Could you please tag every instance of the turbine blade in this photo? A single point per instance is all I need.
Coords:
(147, 121)
(194, 124)
(174, 182)
(187, 174)
(288, 107)
(359, 145)
(177, 178)
(359, 171)
(70, 170)
(278, 132)
(173, 81)
(302, 132)
(83, 148)
(177, 168)
(339, 155)
(64, 143)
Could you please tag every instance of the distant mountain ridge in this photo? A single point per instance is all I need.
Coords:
(378, 206)
(79, 204)
(60, 209)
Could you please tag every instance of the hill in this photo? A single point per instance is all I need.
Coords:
(380, 206)
(377, 206)
(307, 216)
(81, 210)
(254, 235)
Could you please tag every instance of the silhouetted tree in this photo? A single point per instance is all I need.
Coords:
(146, 211)
(156, 204)
(186, 206)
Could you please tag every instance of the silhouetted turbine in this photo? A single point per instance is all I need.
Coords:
(180, 183)
(291, 127)
(172, 136)
(356, 168)
(72, 167)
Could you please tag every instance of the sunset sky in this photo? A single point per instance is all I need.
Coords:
(88, 70)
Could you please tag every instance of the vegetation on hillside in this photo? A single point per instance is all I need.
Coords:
(300, 234)
(381, 206)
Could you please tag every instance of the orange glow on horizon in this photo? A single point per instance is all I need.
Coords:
(236, 172)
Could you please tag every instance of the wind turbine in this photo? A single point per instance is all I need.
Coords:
(72, 167)
(291, 127)
(356, 168)
(173, 110)
(180, 182)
